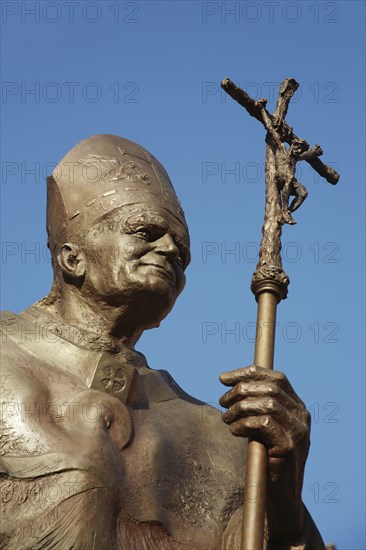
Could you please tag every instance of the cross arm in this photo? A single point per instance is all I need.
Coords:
(243, 99)
(288, 87)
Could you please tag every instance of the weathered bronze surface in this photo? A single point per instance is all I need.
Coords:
(98, 451)
(269, 282)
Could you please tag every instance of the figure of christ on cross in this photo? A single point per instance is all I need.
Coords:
(285, 164)
(279, 132)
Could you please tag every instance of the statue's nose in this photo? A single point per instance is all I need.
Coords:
(167, 247)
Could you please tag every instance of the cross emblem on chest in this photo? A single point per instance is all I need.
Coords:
(114, 377)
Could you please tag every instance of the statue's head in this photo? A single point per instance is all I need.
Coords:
(299, 146)
(116, 229)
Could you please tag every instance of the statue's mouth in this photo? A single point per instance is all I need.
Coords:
(166, 273)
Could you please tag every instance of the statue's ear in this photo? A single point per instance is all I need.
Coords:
(71, 261)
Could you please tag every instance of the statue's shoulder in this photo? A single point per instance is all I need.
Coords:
(22, 391)
(27, 380)
(29, 349)
(17, 362)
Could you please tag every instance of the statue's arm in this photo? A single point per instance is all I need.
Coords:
(271, 130)
(310, 538)
(312, 153)
(283, 425)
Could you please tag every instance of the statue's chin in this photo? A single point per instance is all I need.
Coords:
(153, 318)
(142, 310)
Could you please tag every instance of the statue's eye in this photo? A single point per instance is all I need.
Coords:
(144, 234)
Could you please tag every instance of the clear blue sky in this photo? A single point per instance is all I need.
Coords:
(150, 71)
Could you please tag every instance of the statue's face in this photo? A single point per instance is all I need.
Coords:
(138, 258)
(299, 147)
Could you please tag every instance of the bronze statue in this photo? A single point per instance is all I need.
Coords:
(98, 451)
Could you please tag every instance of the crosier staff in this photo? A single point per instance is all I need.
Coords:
(270, 282)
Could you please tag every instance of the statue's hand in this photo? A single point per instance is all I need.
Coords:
(263, 405)
(261, 103)
(318, 150)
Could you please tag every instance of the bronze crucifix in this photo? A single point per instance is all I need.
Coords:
(270, 282)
